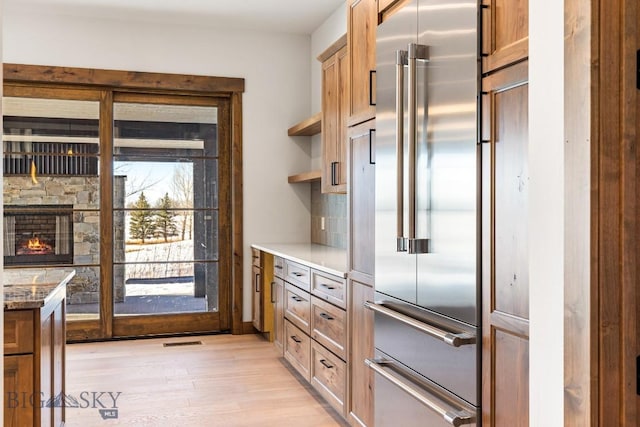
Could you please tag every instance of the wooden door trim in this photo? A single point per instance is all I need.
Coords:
(83, 82)
(614, 205)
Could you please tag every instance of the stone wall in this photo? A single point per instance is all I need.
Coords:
(84, 195)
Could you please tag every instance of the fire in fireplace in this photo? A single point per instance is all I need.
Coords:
(39, 235)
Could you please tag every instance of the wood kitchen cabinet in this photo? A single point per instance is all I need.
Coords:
(34, 364)
(334, 121)
(362, 21)
(277, 299)
(505, 271)
(262, 307)
(505, 38)
(361, 381)
(362, 201)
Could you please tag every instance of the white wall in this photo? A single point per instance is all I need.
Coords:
(277, 78)
(546, 212)
(331, 30)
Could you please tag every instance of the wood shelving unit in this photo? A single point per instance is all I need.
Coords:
(305, 177)
(307, 127)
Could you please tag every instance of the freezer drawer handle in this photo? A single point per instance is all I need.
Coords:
(457, 418)
(454, 340)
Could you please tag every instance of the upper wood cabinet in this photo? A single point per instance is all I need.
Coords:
(362, 21)
(386, 8)
(505, 38)
(334, 122)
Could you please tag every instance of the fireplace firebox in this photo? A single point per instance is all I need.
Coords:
(38, 235)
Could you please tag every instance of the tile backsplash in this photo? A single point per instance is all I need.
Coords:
(333, 207)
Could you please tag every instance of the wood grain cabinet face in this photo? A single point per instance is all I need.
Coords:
(328, 376)
(505, 183)
(297, 307)
(362, 198)
(277, 298)
(297, 349)
(257, 297)
(329, 288)
(361, 381)
(505, 33)
(18, 382)
(334, 122)
(362, 21)
(328, 326)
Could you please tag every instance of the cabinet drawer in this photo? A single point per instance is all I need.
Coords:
(278, 267)
(297, 274)
(329, 288)
(328, 326)
(255, 257)
(297, 349)
(297, 307)
(328, 376)
(18, 332)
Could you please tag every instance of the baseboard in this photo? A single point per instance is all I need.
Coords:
(247, 328)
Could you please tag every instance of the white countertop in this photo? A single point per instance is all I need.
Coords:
(323, 258)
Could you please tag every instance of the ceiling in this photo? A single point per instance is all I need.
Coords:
(282, 16)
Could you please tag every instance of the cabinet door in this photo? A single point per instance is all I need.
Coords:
(18, 386)
(362, 21)
(505, 183)
(361, 345)
(361, 200)
(277, 296)
(257, 297)
(334, 104)
(505, 38)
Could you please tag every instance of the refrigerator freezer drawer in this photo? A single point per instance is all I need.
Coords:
(406, 399)
(448, 357)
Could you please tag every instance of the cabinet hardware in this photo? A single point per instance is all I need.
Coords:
(296, 339)
(279, 267)
(258, 282)
(638, 69)
(297, 299)
(273, 285)
(371, 102)
(297, 274)
(371, 161)
(324, 285)
(326, 316)
(326, 364)
(638, 375)
(334, 173)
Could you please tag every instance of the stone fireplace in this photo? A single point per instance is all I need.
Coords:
(41, 235)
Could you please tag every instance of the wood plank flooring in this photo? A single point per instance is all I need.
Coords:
(229, 380)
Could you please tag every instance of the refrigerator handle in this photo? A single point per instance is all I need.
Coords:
(454, 417)
(416, 52)
(401, 61)
(451, 338)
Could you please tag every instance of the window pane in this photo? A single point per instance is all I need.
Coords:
(51, 193)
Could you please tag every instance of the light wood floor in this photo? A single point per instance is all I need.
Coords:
(229, 380)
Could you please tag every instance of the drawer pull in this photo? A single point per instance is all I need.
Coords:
(451, 338)
(296, 339)
(297, 299)
(297, 274)
(279, 267)
(324, 285)
(326, 364)
(326, 316)
(453, 417)
(255, 257)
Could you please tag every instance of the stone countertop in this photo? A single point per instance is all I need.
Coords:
(28, 288)
(324, 258)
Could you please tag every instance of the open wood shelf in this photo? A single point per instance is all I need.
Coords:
(307, 127)
(305, 177)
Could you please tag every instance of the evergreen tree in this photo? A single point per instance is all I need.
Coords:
(164, 219)
(141, 225)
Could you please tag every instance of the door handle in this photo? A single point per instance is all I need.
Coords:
(334, 173)
(273, 300)
(258, 282)
(401, 61)
(371, 101)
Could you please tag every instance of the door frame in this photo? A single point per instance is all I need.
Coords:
(153, 83)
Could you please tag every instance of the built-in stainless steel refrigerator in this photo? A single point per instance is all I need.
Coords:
(427, 310)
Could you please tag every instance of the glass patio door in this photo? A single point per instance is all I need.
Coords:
(170, 203)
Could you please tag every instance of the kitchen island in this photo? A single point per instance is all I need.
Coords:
(34, 346)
